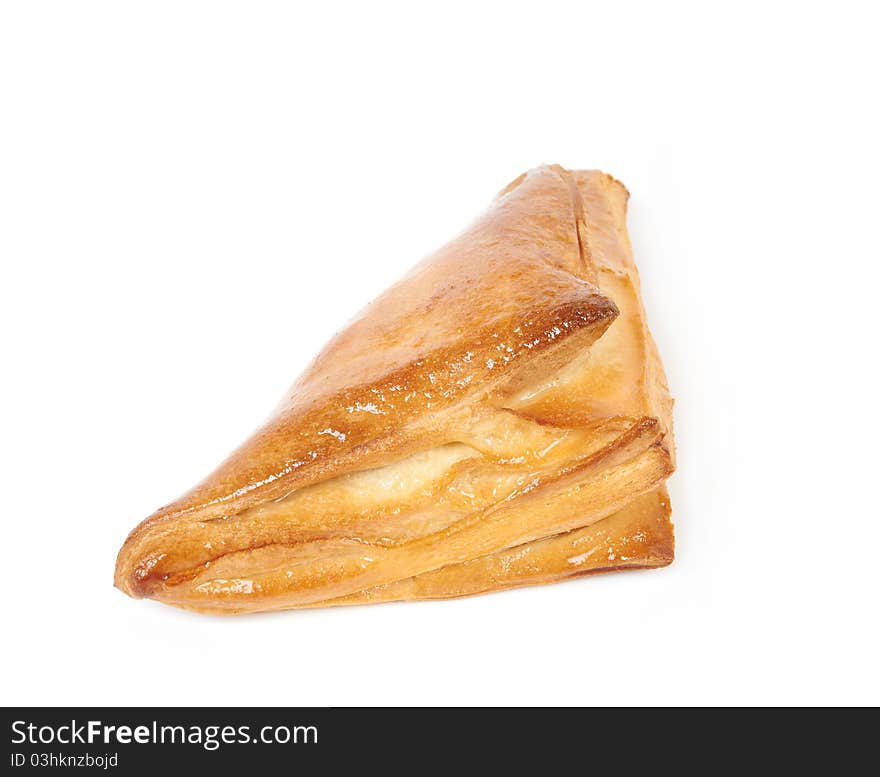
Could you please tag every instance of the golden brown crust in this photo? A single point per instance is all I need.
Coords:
(282, 577)
(453, 381)
(621, 373)
(458, 323)
(639, 536)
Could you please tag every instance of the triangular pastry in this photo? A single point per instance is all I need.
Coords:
(499, 417)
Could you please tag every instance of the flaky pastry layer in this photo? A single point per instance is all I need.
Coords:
(500, 403)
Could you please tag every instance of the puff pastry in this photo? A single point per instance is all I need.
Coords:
(499, 417)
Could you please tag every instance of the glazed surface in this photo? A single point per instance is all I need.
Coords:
(499, 407)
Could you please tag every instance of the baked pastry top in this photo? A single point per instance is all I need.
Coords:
(498, 417)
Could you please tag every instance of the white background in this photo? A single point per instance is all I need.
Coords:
(188, 188)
